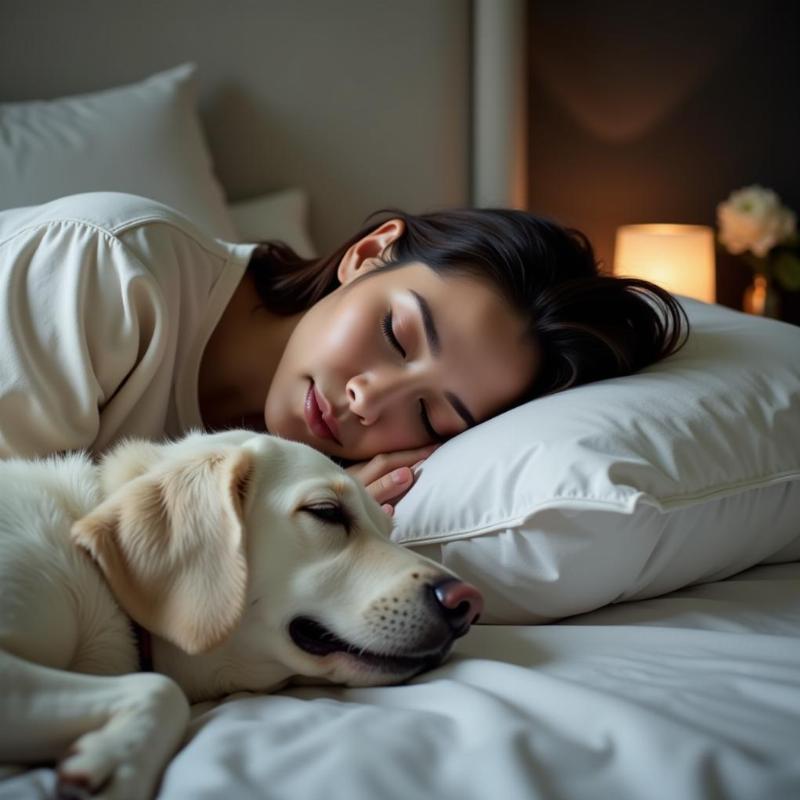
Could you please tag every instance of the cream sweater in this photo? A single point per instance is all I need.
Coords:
(106, 304)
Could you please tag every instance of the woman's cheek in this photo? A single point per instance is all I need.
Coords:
(352, 335)
(401, 433)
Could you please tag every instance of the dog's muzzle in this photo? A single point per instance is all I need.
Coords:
(453, 606)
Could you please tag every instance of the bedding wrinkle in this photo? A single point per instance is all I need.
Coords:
(695, 696)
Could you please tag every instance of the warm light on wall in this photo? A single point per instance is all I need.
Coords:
(678, 257)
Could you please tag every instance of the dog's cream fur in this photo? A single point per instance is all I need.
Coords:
(211, 544)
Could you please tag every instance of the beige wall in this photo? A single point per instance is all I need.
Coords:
(363, 102)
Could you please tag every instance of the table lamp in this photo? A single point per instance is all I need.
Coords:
(679, 258)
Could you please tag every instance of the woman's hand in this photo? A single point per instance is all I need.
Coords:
(388, 476)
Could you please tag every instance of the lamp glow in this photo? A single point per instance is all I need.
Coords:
(679, 258)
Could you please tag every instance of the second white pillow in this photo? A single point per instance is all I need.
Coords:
(142, 139)
(277, 216)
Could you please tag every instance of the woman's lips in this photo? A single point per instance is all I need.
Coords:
(318, 417)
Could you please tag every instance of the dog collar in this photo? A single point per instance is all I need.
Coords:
(144, 646)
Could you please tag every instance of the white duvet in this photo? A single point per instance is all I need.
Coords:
(692, 695)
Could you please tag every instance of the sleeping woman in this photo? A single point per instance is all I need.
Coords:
(120, 318)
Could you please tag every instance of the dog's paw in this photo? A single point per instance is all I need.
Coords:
(73, 785)
(124, 759)
(93, 769)
(72, 792)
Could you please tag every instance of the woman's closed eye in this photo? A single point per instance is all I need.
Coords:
(388, 332)
(423, 412)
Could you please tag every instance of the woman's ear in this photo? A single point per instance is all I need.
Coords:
(368, 252)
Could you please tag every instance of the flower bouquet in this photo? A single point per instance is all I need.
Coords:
(755, 225)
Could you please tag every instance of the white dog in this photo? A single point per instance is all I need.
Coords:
(243, 559)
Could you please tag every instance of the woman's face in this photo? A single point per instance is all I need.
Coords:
(396, 359)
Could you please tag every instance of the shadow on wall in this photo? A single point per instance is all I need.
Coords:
(656, 112)
(621, 75)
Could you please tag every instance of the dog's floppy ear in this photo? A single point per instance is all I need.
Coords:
(171, 545)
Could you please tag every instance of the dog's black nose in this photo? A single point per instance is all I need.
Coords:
(460, 602)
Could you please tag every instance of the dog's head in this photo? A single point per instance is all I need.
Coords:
(268, 551)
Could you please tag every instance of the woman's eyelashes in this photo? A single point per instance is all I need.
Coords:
(389, 335)
(426, 422)
(388, 332)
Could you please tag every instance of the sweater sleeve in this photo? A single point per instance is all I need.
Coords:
(81, 320)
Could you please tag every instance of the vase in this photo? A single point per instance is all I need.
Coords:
(761, 298)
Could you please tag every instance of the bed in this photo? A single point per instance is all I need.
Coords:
(637, 541)
(693, 695)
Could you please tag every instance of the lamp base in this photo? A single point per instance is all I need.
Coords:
(762, 298)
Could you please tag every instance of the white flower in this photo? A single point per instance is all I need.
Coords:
(754, 219)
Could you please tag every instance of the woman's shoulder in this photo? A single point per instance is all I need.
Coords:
(113, 213)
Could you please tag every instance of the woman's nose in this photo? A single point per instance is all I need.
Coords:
(370, 395)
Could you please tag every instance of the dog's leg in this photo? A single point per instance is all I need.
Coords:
(116, 733)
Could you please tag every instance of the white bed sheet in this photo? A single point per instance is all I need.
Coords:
(693, 695)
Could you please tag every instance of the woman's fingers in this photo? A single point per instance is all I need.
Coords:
(381, 465)
(388, 476)
(390, 487)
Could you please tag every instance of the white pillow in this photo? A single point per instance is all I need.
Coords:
(277, 216)
(142, 139)
(688, 471)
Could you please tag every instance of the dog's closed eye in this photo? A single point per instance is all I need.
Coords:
(330, 512)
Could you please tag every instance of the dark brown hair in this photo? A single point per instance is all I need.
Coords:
(587, 325)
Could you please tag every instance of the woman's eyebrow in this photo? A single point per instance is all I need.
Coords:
(431, 334)
(435, 345)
